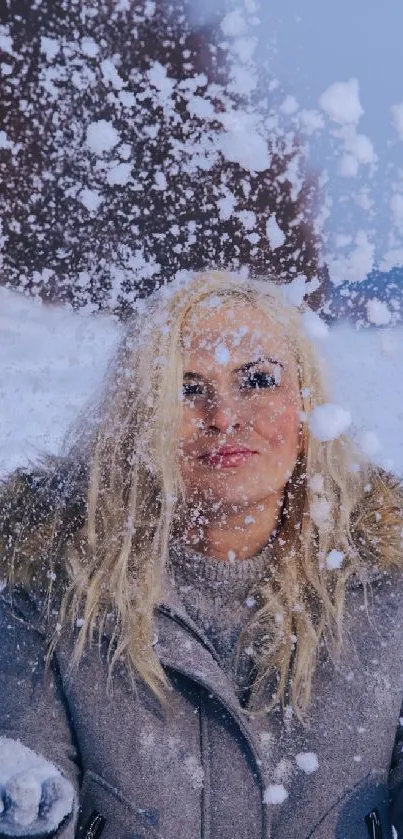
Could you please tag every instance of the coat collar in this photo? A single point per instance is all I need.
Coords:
(181, 646)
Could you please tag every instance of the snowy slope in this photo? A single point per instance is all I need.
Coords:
(51, 361)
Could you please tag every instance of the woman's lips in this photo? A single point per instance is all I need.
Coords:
(226, 457)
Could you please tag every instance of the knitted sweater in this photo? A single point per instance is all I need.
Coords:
(220, 597)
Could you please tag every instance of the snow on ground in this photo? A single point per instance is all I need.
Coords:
(52, 360)
(367, 377)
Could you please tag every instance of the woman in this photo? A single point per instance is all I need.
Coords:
(201, 628)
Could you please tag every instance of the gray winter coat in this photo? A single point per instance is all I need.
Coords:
(201, 769)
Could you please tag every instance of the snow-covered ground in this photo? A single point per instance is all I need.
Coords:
(51, 361)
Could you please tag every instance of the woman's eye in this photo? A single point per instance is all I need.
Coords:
(256, 381)
(192, 389)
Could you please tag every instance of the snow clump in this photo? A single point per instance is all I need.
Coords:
(329, 421)
(334, 561)
(275, 794)
(307, 761)
(221, 354)
(313, 325)
(274, 233)
(91, 199)
(102, 136)
(397, 116)
(341, 102)
(378, 312)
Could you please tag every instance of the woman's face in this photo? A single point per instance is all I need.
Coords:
(240, 435)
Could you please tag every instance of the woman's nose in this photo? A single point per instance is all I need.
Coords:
(223, 413)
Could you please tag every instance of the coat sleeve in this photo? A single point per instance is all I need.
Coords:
(395, 781)
(32, 704)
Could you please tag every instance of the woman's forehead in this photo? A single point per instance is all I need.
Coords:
(229, 332)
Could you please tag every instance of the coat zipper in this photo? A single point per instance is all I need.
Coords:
(94, 826)
(374, 826)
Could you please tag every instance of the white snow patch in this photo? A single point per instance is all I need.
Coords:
(320, 511)
(51, 360)
(378, 312)
(221, 354)
(119, 174)
(366, 367)
(234, 24)
(397, 117)
(341, 102)
(49, 47)
(102, 136)
(396, 207)
(316, 483)
(89, 47)
(127, 98)
(393, 258)
(313, 325)
(194, 771)
(370, 443)
(274, 233)
(241, 141)
(307, 761)
(275, 794)
(361, 148)
(110, 74)
(356, 265)
(226, 205)
(311, 121)
(200, 107)
(159, 78)
(6, 41)
(334, 560)
(25, 775)
(289, 105)
(329, 421)
(5, 143)
(91, 199)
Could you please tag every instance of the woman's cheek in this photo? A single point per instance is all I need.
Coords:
(191, 426)
(281, 425)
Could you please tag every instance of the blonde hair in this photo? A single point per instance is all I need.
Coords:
(116, 560)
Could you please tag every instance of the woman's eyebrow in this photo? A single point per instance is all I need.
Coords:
(190, 375)
(260, 360)
(248, 364)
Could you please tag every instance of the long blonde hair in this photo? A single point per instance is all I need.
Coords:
(116, 559)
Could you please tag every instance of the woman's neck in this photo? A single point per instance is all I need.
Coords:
(236, 535)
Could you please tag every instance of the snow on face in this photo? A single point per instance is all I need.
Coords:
(221, 354)
(36, 342)
(240, 388)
